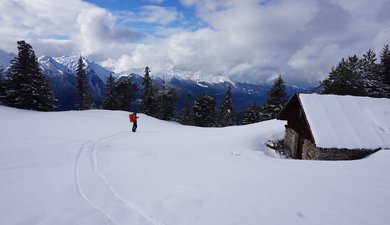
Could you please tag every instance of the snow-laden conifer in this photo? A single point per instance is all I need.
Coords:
(27, 86)
(84, 99)
(226, 115)
(276, 99)
(204, 111)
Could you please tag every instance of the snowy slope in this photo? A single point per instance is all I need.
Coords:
(87, 167)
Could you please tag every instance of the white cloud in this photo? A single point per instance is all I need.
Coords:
(157, 14)
(59, 27)
(383, 36)
(188, 2)
(242, 41)
(315, 61)
(248, 40)
(149, 14)
(50, 16)
(39, 19)
(98, 33)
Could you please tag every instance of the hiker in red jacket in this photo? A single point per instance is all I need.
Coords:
(133, 119)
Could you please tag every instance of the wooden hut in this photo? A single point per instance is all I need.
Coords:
(331, 127)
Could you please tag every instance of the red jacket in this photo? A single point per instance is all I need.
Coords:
(132, 118)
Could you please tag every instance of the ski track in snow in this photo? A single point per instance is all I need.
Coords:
(80, 189)
(97, 192)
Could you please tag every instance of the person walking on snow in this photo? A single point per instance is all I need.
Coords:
(133, 119)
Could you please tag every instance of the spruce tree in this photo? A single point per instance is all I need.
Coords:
(385, 70)
(226, 112)
(370, 75)
(44, 99)
(83, 93)
(385, 64)
(109, 98)
(2, 90)
(276, 99)
(204, 111)
(345, 79)
(27, 87)
(148, 102)
(186, 113)
(5, 88)
(124, 93)
(252, 114)
(165, 99)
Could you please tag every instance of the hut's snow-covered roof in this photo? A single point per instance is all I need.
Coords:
(348, 121)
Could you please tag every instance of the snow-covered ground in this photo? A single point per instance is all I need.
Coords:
(87, 168)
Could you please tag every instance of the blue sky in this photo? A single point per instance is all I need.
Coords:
(188, 18)
(242, 40)
(118, 5)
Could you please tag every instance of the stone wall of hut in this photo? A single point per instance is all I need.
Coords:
(310, 151)
(291, 141)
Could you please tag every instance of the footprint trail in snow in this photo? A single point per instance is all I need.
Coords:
(98, 193)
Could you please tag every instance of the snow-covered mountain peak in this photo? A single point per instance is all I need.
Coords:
(5, 59)
(51, 67)
(71, 62)
(68, 64)
(201, 80)
(44, 58)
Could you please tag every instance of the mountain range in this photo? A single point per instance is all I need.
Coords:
(61, 73)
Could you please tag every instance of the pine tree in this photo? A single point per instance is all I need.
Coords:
(204, 111)
(226, 112)
(370, 75)
(2, 90)
(165, 99)
(385, 64)
(45, 98)
(83, 92)
(27, 87)
(252, 114)
(119, 94)
(124, 93)
(385, 70)
(109, 98)
(148, 105)
(5, 89)
(276, 99)
(186, 113)
(346, 79)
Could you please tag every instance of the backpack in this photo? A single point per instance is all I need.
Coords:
(132, 118)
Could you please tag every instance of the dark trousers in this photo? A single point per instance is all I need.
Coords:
(134, 126)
